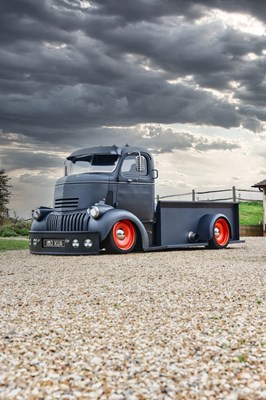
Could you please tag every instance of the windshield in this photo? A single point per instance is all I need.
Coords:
(91, 164)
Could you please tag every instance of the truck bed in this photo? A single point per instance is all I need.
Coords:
(176, 219)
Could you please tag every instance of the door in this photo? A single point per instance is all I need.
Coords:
(135, 191)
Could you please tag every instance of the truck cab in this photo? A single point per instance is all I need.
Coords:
(106, 200)
(117, 177)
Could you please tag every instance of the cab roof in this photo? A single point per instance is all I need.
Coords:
(104, 150)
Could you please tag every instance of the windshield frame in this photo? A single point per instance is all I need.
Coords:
(93, 164)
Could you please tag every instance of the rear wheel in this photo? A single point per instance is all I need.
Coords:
(122, 237)
(221, 234)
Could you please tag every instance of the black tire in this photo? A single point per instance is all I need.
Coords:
(122, 238)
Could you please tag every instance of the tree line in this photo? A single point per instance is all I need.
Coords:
(5, 195)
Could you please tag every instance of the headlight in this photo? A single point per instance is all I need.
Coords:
(40, 212)
(94, 212)
(36, 214)
(98, 209)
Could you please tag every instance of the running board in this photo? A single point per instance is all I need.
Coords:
(187, 246)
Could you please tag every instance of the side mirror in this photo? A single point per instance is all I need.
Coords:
(140, 163)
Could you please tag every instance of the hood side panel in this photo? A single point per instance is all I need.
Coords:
(77, 196)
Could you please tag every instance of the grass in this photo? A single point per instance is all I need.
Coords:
(11, 244)
(251, 213)
(242, 358)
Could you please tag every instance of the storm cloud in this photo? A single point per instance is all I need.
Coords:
(64, 65)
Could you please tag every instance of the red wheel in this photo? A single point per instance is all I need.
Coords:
(221, 234)
(122, 237)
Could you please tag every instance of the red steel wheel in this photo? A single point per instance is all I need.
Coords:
(122, 238)
(221, 234)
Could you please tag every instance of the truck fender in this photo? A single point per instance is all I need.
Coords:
(104, 224)
(206, 225)
(40, 225)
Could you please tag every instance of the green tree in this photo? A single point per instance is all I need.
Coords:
(4, 195)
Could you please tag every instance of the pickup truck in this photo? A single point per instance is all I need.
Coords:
(106, 201)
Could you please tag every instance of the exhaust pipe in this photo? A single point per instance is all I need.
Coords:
(193, 237)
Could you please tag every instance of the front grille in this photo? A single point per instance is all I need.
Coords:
(53, 221)
(67, 203)
(67, 222)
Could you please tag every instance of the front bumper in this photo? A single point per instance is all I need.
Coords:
(63, 243)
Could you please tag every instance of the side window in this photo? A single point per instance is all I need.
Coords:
(128, 168)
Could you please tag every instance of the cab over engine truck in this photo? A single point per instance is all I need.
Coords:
(106, 200)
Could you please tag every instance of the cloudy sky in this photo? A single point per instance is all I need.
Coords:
(184, 78)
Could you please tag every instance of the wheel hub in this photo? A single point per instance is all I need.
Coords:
(120, 234)
(216, 231)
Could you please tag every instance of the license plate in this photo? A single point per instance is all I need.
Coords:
(53, 243)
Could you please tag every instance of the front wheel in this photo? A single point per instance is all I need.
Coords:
(221, 234)
(122, 237)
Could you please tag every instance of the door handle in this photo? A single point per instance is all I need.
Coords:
(133, 180)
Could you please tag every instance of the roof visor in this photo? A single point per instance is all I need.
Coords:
(89, 151)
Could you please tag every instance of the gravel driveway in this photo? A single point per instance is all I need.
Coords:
(168, 325)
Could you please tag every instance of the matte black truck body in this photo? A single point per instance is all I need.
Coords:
(106, 201)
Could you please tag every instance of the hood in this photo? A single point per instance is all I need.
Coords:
(76, 192)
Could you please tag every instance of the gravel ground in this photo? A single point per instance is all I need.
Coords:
(168, 325)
